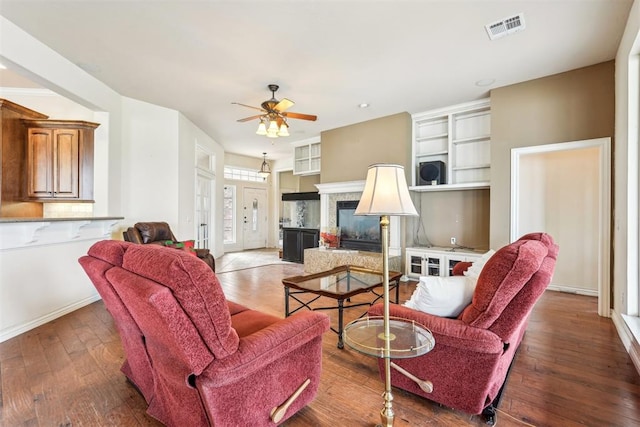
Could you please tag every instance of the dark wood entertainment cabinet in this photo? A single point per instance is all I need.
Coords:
(296, 240)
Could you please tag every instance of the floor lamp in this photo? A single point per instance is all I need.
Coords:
(385, 194)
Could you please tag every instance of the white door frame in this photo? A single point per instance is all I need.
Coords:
(206, 172)
(604, 223)
(210, 179)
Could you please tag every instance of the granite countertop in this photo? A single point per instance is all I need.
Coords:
(40, 219)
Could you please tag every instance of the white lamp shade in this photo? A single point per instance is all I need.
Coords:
(385, 192)
(283, 130)
(262, 128)
(272, 131)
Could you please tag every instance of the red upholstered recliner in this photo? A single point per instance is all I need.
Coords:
(470, 361)
(159, 233)
(137, 366)
(211, 361)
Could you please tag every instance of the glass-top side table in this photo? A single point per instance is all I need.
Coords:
(406, 338)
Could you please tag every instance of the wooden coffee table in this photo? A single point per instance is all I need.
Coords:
(340, 284)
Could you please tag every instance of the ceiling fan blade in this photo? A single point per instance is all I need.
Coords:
(283, 105)
(249, 106)
(301, 116)
(246, 119)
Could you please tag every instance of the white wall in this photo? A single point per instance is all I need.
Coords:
(159, 158)
(149, 163)
(40, 277)
(190, 136)
(625, 232)
(131, 177)
(626, 296)
(41, 283)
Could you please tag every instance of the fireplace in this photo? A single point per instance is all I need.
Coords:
(357, 232)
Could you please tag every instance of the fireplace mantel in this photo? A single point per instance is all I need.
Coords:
(341, 187)
(327, 190)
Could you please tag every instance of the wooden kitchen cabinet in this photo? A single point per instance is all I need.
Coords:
(13, 136)
(59, 163)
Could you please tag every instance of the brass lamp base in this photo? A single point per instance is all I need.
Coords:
(386, 414)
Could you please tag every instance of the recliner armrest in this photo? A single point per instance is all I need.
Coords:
(261, 348)
(447, 331)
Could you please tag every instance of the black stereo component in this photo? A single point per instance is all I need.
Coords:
(432, 173)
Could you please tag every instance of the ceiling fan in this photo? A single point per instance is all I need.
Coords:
(274, 114)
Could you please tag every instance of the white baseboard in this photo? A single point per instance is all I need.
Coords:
(572, 290)
(628, 339)
(22, 328)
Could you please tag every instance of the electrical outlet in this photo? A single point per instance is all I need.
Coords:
(453, 240)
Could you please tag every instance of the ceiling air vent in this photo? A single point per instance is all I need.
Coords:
(505, 27)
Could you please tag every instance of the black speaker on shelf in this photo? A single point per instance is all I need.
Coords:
(432, 173)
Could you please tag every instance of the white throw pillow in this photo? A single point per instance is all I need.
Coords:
(477, 266)
(442, 296)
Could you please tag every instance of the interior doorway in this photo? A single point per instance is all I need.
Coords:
(254, 220)
(564, 190)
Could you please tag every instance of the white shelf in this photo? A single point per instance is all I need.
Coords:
(432, 137)
(462, 168)
(478, 138)
(435, 153)
(450, 187)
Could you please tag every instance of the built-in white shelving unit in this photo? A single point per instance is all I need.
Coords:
(435, 261)
(458, 136)
(306, 159)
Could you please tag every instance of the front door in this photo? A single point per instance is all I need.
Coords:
(254, 218)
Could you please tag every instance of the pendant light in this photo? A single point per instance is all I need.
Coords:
(265, 170)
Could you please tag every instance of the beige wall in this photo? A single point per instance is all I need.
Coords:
(290, 183)
(238, 160)
(348, 151)
(446, 214)
(571, 106)
(575, 105)
(308, 183)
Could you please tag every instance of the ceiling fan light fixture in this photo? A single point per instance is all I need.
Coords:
(262, 128)
(283, 130)
(272, 131)
(265, 170)
(273, 117)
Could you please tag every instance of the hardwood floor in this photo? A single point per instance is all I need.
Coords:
(571, 369)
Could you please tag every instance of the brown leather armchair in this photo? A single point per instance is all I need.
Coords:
(158, 233)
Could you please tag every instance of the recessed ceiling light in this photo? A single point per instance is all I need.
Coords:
(485, 82)
(363, 105)
(2, 67)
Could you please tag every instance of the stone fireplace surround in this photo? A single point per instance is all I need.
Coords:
(316, 260)
(330, 193)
